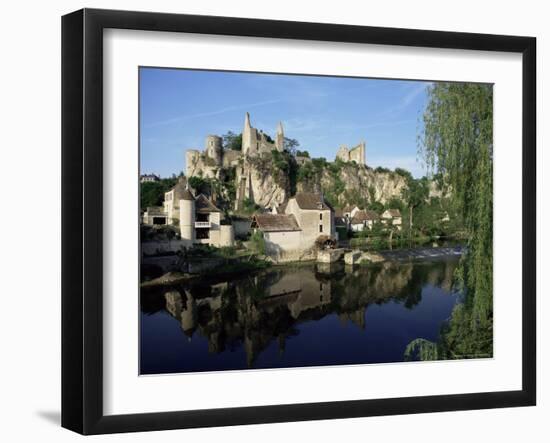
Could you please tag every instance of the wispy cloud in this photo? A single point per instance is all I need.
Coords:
(302, 125)
(212, 113)
(406, 100)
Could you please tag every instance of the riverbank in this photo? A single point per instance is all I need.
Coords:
(217, 268)
(253, 265)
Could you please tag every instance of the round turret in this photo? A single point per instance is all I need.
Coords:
(227, 235)
(213, 148)
(187, 218)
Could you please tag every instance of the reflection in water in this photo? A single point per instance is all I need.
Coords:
(303, 316)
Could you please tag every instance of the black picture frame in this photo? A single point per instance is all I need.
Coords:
(82, 216)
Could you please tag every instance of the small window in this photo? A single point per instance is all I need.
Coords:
(320, 216)
(320, 228)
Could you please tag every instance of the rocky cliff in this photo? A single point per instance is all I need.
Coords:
(363, 185)
(270, 179)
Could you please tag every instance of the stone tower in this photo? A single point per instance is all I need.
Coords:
(248, 135)
(280, 138)
(187, 218)
(213, 148)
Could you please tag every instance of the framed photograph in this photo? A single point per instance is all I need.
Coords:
(269, 221)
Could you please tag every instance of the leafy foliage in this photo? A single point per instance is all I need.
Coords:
(420, 349)
(200, 185)
(457, 143)
(404, 173)
(290, 145)
(222, 189)
(258, 243)
(232, 141)
(152, 193)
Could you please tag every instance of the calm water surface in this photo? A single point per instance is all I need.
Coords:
(307, 315)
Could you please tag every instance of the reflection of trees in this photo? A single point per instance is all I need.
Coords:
(256, 310)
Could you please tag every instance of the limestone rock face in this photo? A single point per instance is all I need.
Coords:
(199, 165)
(259, 179)
(267, 189)
(361, 180)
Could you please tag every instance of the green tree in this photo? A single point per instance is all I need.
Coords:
(290, 145)
(403, 173)
(457, 142)
(414, 195)
(152, 193)
(232, 141)
(257, 242)
(200, 185)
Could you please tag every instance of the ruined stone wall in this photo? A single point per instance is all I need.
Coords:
(356, 154)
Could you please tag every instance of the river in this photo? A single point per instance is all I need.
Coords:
(295, 316)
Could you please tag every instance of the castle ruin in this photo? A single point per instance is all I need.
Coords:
(210, 162)
(356, 154)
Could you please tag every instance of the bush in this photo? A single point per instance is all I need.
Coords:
(404, 173)
(228, 251)
(342, 233)
(232, 141)
(152, 193)
(258, 242)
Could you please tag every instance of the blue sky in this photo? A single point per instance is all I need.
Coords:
(178, 108)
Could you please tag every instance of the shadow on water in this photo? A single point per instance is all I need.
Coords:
(294, 316)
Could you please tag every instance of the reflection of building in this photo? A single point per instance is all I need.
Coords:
(200, 222)
(392, 217)
(308, 292)
(257, 312)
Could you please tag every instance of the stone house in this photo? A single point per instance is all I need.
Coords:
(340, 220)
(281, 233)
(314, 216)
(291, 229)
(172, 201)
(350, 210)
(200, 222)
(148, 178)
(392, 217)
(364, 219)
(154, 215)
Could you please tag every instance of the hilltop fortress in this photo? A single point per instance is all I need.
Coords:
(214, 158)
(254, 142)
